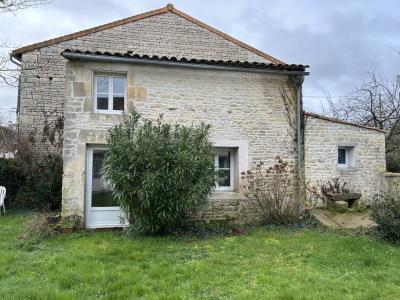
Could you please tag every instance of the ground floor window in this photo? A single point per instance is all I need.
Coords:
(224, 164)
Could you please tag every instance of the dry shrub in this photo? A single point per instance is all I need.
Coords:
(334, 186)
(272, 190)
(41, 226)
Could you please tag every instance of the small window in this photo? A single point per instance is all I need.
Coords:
(224, 164)
(346, 156)
(342, 156)
(110, 93)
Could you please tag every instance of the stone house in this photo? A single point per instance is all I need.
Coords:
(74, 87)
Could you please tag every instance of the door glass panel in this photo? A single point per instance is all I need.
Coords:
(224, 159)
(224, 178)
(101, 191)
(223, 167)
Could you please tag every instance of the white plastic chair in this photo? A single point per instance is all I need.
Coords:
(2, 196)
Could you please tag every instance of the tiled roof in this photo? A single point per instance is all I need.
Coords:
(169, 8)
(317, 116)
(183, 60)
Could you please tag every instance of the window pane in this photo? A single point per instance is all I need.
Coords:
(102, 102)
(119, 85)
(224, 159)
(118, 103)
(101, 192)
(102, 84)
(224, 178)
(341, 156)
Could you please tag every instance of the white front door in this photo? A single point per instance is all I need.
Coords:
(102, 209)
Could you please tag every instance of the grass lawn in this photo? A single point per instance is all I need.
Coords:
(263, 264)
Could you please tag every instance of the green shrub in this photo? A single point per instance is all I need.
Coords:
(386, 213)
(42, 187)
(12, 178)
(32, 185)
(161, 174)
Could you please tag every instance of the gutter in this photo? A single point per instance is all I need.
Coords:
(131, 60)
(14, 61)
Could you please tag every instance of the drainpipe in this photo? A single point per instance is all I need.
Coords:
(299, 119)
(12, 59)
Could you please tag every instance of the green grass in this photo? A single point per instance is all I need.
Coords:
(264, 264)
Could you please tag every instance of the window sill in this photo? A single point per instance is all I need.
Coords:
(224, 195)
(108, 112)
(346, 168)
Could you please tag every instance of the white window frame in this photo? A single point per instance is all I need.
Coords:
(217, 152)
(110, 93)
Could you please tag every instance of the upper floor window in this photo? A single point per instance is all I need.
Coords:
(224, 164)
(110, 93)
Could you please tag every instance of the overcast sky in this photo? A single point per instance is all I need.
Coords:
(341, 40)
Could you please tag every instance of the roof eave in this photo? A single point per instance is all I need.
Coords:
(177, 63)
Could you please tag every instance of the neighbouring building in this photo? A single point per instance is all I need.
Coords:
(74, 87)
(8, 142)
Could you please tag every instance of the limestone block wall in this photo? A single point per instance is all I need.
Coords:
(43, 71)
(322, 139)
(392, 183)
(240, 106)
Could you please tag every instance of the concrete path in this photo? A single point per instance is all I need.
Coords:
(346, 220)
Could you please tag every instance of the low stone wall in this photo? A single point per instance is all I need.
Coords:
(392, 183)
(229, 206)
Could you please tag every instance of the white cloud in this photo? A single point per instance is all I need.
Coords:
(341, 39)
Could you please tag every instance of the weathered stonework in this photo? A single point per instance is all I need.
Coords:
(43, 71)
(322, 139)
(392, 183)
(240, 106)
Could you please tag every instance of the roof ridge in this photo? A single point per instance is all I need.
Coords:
(322, 117)
(168, 8)
(225, 36)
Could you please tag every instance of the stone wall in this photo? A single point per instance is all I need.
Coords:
(322, 139)
(392, 183)
(42, 83)
(241, 107)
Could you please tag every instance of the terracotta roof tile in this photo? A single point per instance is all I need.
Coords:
(183, 60)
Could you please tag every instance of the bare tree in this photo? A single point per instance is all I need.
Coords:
(375, 103)
(8, 73)
(12, 6)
